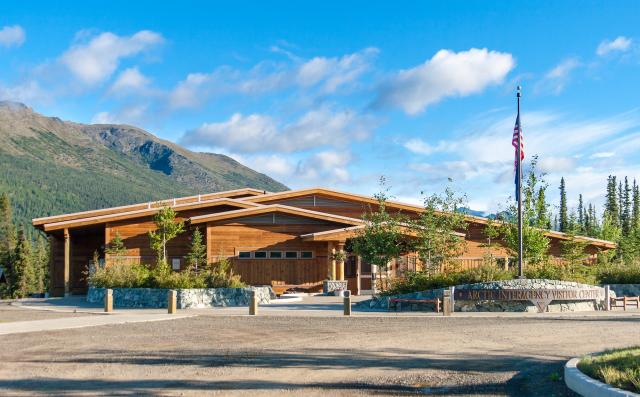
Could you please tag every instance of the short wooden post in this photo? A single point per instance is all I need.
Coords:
(446, 304)
(253, 303)
(108, 301)
(453, 299)
(172, 301)
(607, 298)
(624, 302)
(347, 303)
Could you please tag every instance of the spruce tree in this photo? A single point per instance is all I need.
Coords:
(626, 209)
(7, 229)
(620, 203)
(198, 251)
(564, 216)
(580, 220)
(543, 218)
(635, 211)
(22, 274)
(611, 206)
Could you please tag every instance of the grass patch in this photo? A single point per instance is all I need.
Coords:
(618, 368)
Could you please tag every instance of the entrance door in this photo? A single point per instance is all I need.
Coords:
(366, 283)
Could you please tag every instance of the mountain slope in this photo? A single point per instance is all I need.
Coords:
(50, 166)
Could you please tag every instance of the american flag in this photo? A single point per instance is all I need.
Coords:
(517, 130)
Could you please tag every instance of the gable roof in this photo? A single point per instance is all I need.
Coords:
(94, 220)
(265, 198)
(266, 209)
(349, 232)
(237, 193)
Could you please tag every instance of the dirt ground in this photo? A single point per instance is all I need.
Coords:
(291, 356)
(9, 313)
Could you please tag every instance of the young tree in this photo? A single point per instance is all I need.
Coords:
(564, 216)
(22, 276)
(436, 242)
(492, 231)
(116, 249)
(198, 252)
(166, 229)
(381, 239)
(573, 249)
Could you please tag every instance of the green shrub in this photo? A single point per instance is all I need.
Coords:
(120, 275)
(566, 272)
(619, 274)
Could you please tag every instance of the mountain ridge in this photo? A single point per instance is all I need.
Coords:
(53, 166)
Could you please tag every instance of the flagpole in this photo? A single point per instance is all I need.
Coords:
(519, 176)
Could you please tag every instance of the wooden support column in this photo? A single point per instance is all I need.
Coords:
(332, 261)
(340, 263)
(67, 262)
(358, 272)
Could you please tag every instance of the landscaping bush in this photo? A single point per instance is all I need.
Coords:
(618, 368)
(120, 275)
(619, 274)
(566, 272)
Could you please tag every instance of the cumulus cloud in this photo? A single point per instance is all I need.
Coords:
(96, 60)
(619, 44)
(446, 74)
(132, 115)
(418, 146)
(323, 74)
(261, 133)
(552, 164)
(556, 79)
(130, 80)
(12, 36)
(27, 92)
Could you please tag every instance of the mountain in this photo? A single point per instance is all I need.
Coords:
(49, 166)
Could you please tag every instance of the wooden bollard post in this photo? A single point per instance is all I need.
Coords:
(347, 303)
(446, 302)
(172, 301)
(253, 303)
(607, 298)
(453, 299)
(108, 301)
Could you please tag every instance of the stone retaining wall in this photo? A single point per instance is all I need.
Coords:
(187, 298)
(382, 303)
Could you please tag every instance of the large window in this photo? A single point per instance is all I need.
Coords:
(260, 254)
(291, 254)
(244, 254)
(275, 254)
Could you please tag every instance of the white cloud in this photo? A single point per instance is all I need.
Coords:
(551, 164)
(447, 74)
(556, 79)
(322, 74)
(602, 155)
(327, 167)
(620, 44)
(132, 115)
(261, 133)
(12, 36)
(27, 92)
(130, 80)
(98, 59)
(418, 146)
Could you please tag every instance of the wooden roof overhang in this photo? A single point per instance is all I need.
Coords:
(284, 209)
(265, 198)
(82, 222)
(343, 234)
(231, 194)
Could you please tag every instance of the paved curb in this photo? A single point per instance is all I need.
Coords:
(586, 386)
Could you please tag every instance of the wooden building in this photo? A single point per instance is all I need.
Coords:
(271, 238)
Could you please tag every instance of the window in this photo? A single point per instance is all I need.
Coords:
(260, 254)
(306, 254)
(175, 263)
(244, 254)
(275, 254)
(291, 254)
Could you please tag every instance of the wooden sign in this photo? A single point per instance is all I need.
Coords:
(539, 297)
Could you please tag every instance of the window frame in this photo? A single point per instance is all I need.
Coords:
(274, 252)
(240, 252)
(266, 255)
(303, 252)
(297, 255)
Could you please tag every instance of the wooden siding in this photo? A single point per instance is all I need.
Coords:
(226, 239)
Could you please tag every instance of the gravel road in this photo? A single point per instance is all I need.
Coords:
(291, 356)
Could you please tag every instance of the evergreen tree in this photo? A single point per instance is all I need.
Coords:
(626, 208)
(543, 218)
(564, 216)
(620, 203)
(7, 230)
(611, 206)
(22, 274)
(581, 221)
(635, 211)
(41, 264)
(116, 249)
(198, 252)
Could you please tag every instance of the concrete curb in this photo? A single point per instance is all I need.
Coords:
(586, 386)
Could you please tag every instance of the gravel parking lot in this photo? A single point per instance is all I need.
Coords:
(9, 313)
(278, 355)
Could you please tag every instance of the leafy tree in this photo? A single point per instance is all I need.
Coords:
(198, 251)
(436, 242)
(166, 229)
(381, 239)
(564, 216)
(534, 242)
(22, 275)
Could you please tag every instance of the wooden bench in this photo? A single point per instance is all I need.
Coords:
(624, 301)
(436, 302)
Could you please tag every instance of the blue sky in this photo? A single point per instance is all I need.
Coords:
(337, 94)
